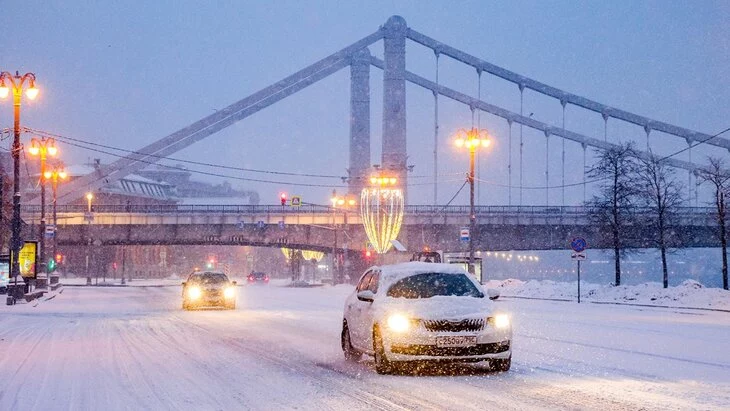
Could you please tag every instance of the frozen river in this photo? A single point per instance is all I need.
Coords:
(133, 348)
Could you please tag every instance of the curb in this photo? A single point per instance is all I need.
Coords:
(618, 303)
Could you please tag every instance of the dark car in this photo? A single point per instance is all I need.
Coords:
(258, 277)
(208, 289)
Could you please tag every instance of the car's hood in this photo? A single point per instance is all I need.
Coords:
(438, 307)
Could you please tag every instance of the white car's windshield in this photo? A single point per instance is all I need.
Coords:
(432, 284)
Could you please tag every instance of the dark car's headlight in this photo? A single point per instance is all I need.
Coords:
(194, 293)
(229, 293)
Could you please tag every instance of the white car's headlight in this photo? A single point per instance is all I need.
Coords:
(500, 321)
(229, 293)
(194, 293)
(399, 323)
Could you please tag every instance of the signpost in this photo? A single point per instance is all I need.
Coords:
(296, 201)
(578, 245)
(50, 230)
(464, 234)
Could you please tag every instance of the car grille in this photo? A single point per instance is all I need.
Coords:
(434, 351)
(213, 293)
(473, 324)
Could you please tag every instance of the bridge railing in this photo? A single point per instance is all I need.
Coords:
(422, 210)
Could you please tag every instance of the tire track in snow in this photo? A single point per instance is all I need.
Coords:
(375, 401)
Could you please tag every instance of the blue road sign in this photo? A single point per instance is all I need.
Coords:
(281, 225)
(241, 225)
(260, 224)
(578, 244)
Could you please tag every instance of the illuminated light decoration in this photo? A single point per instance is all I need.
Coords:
(307, 255)
(381, 210)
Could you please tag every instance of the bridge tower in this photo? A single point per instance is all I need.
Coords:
(359, 121)
(394, 100)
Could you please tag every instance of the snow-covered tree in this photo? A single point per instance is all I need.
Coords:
(661, 193)
(615, 169)
(717, 174)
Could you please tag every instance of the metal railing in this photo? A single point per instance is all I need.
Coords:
(420, 210)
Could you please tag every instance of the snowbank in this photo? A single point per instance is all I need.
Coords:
(689, 293)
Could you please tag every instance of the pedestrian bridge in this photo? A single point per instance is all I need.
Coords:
(320, 227)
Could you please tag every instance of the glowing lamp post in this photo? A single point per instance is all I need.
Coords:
(17, 83)
(43, 148)
(343, 203)
(58, 173)
(472, 140)
(381, 210)
(89, 197)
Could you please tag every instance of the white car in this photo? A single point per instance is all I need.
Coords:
(424, 312)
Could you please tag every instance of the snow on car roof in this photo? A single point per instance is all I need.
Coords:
(395, 272)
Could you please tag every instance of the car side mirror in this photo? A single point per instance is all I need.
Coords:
(493, 293)
(233, 283)
(366, 295)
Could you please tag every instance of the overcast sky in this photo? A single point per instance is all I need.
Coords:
(125, 74)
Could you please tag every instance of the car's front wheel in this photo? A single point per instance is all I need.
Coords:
(351, 354)
(501, 364)
(382, 364)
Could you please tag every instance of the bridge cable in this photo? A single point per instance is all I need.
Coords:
(436, 135)
(522, 95)
(230, 176)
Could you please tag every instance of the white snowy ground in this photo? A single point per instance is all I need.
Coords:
(133, 348)
(689, 293)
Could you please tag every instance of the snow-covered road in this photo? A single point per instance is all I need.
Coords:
(133, 348)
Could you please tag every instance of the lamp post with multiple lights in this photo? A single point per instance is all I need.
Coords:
(89, 217)
(472, 139)
(17, 83)
(43, 148)
(343, 203)
(57, 173)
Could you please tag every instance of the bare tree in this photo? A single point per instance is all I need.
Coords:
(718, 175)
(612, 207)
(661, 193)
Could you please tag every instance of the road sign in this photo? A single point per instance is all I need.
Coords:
(241, 225)
(50, 231)
(281, 224)
(296, 201)
(578, 244)
(260, 224)
(578, 256)
(464, 234)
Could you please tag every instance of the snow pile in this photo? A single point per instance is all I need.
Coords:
(689, 293)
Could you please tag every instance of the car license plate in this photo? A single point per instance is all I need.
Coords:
(456, 341)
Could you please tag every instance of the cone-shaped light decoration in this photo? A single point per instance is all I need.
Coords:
(381, 210)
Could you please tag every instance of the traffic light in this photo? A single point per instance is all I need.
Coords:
(59, 258)
(367, 254)
(210, 263)
(282, 197)
(114, 266)
(51, 265)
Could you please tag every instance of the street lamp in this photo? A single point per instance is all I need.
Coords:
(17, 83)
(344, 203)
(472, 139)
(58, 173)
(89, 197)
(43, 148)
